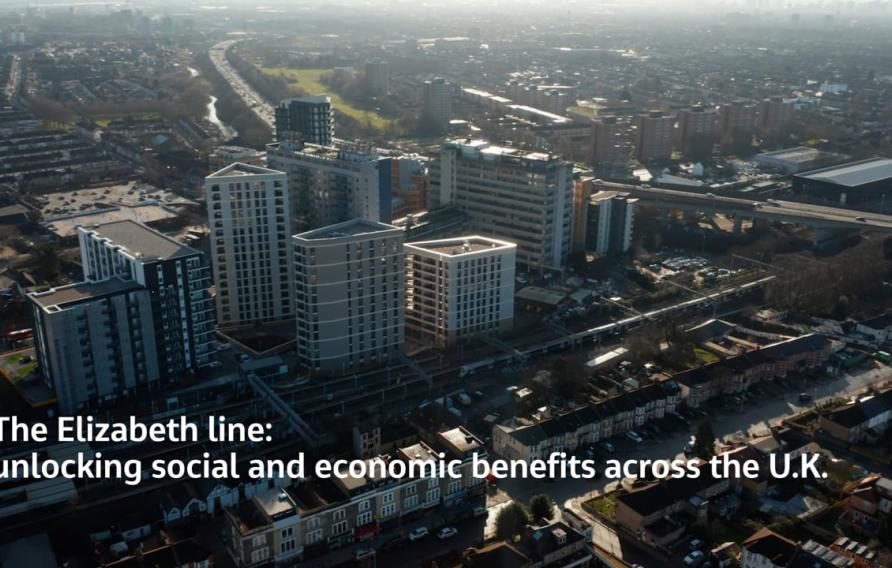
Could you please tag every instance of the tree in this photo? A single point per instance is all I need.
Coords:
(47, 264)
(511, 520)
(568, 377)
(704, 444)
(541, 507)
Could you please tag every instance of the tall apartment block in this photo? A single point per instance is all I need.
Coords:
(333, 184)
(737, 122)
(609, 222)
(349, 295)
(437, 101)
(177, 278)
(696, 127)
(250, 231)
(774, 120)
(307, 119)
(511, 194)
(95, 341)
(409, 184)
(653, 141)
(609, 147)
(377, 75)
(458, 288)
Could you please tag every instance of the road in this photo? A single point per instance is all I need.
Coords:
(263, 109)
(819, 216)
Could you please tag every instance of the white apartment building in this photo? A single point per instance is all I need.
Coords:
(458, 288)
(250, 227)
(349, 295)
(511, 194)
(333, 184)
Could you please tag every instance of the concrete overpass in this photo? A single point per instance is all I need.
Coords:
(828, 222)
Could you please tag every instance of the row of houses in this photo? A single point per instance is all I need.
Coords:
(322, 515)
(736, 374)
(522, 440)
(862, 420)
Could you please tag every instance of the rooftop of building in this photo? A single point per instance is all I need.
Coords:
(57, 299)
(143, 242)
(240, 169)
(796, 154)
(317, 99)
(462, 245)
(483, 149)
(351, 228)
(853, 174)
(776, 548)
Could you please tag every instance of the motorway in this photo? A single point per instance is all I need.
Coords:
(249, 96)
(818, 216)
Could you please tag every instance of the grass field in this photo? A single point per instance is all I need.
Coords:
(308, 80)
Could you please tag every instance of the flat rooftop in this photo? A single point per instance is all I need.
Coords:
(462, 245)
(797, 154)
(351, 228)
(140, 240)
(483, 149)
(240, 169)
(66, 226)
(57, 299)
(853, 174)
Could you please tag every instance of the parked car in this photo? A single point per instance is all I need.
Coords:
(607, 447)
(447, 532)
(694, 558)
(418, 533)
(363, 553)
(480, 511)
(804, 397)
(695, 544)
(634, 436)
(215, 364)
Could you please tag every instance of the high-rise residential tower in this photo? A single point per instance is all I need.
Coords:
(696, 128)
(95, 342)
(349, 282)
(307, 119)
(250, 231)
(437, 101)
(654, 137)
(332, 184)
(177, 278)
(459, 288)
(511, 194)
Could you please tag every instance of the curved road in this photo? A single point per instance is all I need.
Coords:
(249, 96)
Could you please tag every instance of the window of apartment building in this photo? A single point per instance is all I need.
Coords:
(340, 515)
(313, 537)
(258, 540)
(388, 510)
(338, 528)
(387, 498)
(410, 502)
(259, 555)
(287, 533)
(288, 546)
(454, 486)
(363, 518)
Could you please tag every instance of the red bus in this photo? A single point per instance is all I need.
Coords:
(19, 335)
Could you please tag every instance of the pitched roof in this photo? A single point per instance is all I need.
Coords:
(776, 548)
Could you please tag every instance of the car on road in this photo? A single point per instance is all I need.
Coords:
(215, 364)
(862, 219)
(418, 533)
(695, 544)
(363, 553)
(804, 397)
(634, 436)
(480, 511)
(447, 532)
(694, 558)
(607, 447)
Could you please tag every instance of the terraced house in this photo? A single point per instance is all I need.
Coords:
(283, 527)
(530, 441)
(736, 374)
